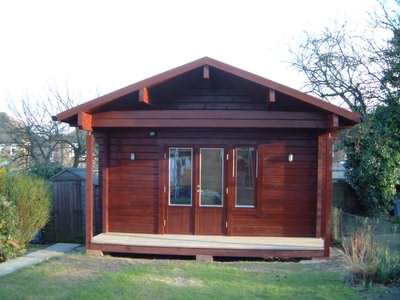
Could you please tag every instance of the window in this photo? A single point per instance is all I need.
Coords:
(211, 176)
(245, 165)
(180, 176)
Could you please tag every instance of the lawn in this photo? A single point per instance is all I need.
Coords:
(79, 276)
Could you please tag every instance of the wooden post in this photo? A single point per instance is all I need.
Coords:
(104, 183)
(320, 222)
(324, 193)
(89, 189)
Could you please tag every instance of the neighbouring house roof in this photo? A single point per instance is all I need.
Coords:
(91, 106)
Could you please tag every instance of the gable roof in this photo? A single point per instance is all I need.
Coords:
(78, 174)
(170, 74)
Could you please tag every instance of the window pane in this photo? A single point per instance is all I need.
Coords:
(180, 176)
(211, 179)
(245, 176)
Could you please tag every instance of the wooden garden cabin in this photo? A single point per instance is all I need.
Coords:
(208, 159)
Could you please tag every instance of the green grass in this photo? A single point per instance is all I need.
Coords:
(83, 277)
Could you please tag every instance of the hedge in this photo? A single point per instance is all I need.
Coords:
(24, 209)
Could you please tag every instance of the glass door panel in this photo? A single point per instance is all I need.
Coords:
(180, 176)
(211, 177)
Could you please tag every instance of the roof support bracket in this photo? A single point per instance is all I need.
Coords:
(85, 121)
(271, 96)
(144, 96)
(206, 72)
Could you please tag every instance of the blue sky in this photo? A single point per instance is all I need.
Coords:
(94, 47)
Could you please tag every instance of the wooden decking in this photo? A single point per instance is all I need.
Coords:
(208, 245)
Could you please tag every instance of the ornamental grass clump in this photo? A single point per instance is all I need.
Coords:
(360, 255)
(369, 262)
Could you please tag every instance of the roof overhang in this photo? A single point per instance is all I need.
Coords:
(92, 105)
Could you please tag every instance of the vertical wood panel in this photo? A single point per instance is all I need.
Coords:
(105, 183)
(328, 194)
(320, 222)
(89, 188)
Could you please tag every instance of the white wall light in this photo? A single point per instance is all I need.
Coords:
(290, 157)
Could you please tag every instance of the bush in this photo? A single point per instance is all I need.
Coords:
(370, 263)
(24, 209)
(388, 267)
(9, 247)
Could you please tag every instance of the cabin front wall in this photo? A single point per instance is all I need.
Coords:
(286, 203)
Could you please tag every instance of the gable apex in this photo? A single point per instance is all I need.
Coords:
(209, 62)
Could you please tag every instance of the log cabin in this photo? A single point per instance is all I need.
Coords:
(209, 160)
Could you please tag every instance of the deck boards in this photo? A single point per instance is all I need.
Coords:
(208, 242)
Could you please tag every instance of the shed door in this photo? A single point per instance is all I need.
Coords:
(180, 190)
(210, 191)
(196, 191)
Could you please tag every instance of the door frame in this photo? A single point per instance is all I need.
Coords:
(164, 204)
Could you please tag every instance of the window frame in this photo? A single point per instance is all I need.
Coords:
(235, 176)
(191, 176)
(222, 174)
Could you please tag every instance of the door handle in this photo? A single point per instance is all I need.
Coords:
(198, 188)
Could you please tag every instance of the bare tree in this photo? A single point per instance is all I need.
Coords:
(41, 140)
(342, 66)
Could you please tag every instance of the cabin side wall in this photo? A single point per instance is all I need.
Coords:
(287, 193)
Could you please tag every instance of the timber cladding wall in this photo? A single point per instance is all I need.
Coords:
(287, 191)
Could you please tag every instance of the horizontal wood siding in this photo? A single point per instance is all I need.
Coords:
(133, 185)
(215, 119)
(288, 190)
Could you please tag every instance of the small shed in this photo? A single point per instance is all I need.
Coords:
(67, 220)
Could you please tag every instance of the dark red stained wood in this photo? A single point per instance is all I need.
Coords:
(321, 185)
(85, 121)
(334, 121)
(105, 183)
(324, 192)
(206, 123)
(89, 188)
(217, 118)
(328, 194)
(160, 215)
(180, 220)
(208, 220)
(206, 72)
(136, 187)
(207, 119)
(272, 96)
(144, 96)
(207, 251)
(152, 81)
(222, 114)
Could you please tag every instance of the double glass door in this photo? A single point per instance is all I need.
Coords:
(196, 190)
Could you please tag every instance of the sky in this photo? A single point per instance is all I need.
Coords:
(94, 47)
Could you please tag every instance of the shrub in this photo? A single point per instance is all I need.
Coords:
(8, 245)
(24, 209)
(388, 267)
(368, 262)
(31, 196)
